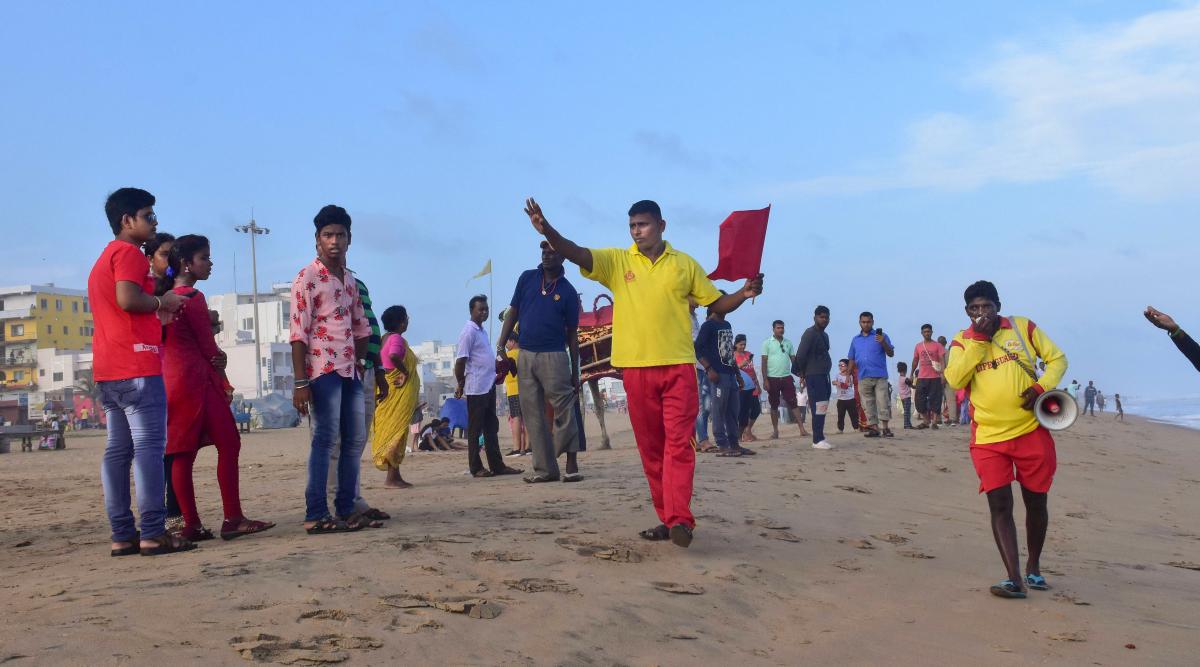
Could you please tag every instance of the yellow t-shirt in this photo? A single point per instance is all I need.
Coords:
(651, 322)
(510, 380)
(990, 371)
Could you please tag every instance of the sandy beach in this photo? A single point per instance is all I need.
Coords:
(875, 552)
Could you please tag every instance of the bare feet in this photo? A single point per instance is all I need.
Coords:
(396, 484)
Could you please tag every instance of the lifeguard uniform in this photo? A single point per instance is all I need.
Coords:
(652, 344)
(1004, 435)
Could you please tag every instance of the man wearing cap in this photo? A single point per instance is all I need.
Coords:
(546, 307)
(651, 282)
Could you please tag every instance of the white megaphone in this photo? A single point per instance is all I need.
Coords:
(1056, 410)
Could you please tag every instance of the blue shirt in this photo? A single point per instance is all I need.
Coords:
(544, 318)
(869, 355)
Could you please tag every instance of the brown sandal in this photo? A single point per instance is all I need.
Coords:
(233, 529)
(167, 544)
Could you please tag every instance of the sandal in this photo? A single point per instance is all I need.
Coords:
(330, 525)
(871, 433)
(710, 449)
(731, 453)
(129, 550)
(921, 427)
(746, 452)
(197, 534)
(681, 535)
(1037, 582)
(509, 470)
(233, 529)
(376, 514)
(482, 473)
(656, 534)
(359, 520)
(1007, 589)
(538, 479)
(166, 544)
(887, 433)
(572, 477)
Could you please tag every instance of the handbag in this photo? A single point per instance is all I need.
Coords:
(937, 365)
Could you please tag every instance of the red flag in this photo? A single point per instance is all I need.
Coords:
(741, 246)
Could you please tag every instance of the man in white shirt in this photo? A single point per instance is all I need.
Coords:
(475, 370)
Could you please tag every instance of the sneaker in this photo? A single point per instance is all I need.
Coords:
(511, 453)
(824, 444)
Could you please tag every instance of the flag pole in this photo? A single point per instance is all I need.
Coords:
(490, 300)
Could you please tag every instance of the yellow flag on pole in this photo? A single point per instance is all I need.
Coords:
(487, 268)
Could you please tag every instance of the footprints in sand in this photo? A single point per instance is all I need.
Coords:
(536, 585)
(856, 543)
(1183, 564)
(852, 488)
(891, 538)
(677, 588)
(616, 553)
(454, 604)
(321, 649)
(499, 556)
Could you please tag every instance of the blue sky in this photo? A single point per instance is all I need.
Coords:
(908, 149)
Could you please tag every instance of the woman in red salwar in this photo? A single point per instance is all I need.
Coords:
(197, 406)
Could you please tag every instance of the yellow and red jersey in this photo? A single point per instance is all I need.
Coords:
(988, 368)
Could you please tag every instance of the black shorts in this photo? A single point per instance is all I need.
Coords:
(514, 406)
(929, 395)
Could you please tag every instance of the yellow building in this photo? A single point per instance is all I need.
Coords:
(35, 317)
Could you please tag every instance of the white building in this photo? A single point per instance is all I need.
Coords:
(236, 339)
(437, 372)
(61, 369)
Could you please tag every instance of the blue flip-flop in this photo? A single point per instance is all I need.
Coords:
(1008, 589)
(1037, 582)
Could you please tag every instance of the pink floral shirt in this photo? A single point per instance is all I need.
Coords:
(327, 315)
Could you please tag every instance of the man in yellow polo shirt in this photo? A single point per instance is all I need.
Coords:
(995, 359)
(652, 343)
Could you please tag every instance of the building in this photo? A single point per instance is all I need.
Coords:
(236, 339)
(39, 317)
(437, 372)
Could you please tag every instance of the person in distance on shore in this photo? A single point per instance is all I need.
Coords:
(813, 365)
(996, 358)
(651, 282)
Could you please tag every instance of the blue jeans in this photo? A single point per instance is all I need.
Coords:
(337, 410)
(705, 405)
(725, 411)
(137, 433)
(819, 392)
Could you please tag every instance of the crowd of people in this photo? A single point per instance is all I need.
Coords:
(164, 392)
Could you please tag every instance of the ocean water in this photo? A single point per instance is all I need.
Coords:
(1182, 411)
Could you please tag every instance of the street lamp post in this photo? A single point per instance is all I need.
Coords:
(253, 230)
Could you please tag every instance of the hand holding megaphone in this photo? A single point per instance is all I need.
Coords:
(1055, 410)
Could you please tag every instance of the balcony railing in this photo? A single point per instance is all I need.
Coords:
(17, 360)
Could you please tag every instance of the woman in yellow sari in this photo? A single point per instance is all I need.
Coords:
(394, 413)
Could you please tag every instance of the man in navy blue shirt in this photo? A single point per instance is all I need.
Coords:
(546, 307)
(868, 357)
(714, 352)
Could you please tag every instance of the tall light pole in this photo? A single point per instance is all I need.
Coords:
(253, 230)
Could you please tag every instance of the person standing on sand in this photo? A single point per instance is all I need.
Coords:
(904, 391)
(703, 445)
(1120, 410)
(1089, 398)
(127, 370)
(545, 305)
(777, 356)
(1189, 347)
(475, 370)
(197, 404)
(714, 351)
(843, 386)
(512, 392)
(868, 360)
(398, 403)
(813, 364)
(749, 404)
(928, 360)
(651, 282)
(996, 358)
(1100, 401)
(329, 333)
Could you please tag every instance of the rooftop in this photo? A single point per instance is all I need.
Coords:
(49, 288)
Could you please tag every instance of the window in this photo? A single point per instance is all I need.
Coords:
(43, 304)
(64, 330)
(42, 372)
(58, 377)
(58, 304)
(74, 306)
(248, 324)
(18, 329)
(49, 329)
(85, 306)
(18, 375)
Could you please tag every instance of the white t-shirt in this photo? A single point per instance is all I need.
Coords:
(843, 387)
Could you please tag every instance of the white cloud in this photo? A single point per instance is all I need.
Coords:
(1119, 106)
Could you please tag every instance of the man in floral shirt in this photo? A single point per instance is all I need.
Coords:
(329, 334)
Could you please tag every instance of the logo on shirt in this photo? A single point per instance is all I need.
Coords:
(142, 347)
(630, 276)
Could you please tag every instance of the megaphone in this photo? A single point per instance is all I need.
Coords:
(1056, 410)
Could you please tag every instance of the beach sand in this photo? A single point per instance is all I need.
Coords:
(879, 551)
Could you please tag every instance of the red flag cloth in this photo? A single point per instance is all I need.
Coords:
(740, 249)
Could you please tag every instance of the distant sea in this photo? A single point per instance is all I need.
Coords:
(1184, 411)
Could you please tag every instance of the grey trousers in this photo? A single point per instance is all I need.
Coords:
(545, 377)
(360, 505)
(875, 400)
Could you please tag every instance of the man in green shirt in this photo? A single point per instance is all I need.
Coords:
(777, 354)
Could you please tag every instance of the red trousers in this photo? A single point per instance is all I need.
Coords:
(663, 403)
(220, 429)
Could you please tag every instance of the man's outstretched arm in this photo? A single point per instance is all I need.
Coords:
(573, 252)
(728, 303)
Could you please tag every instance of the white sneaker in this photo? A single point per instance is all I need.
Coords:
(824, 444)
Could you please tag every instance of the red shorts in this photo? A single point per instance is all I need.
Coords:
(781, 387)
(1031, 455)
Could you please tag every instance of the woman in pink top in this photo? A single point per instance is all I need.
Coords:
(395, 412)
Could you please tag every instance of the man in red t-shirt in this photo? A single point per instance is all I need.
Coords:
(127, 370)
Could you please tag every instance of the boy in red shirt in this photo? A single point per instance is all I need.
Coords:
(127, 369)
